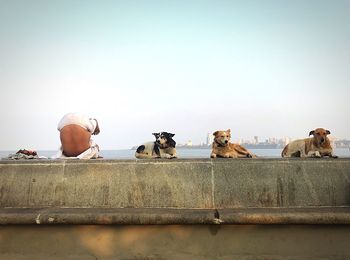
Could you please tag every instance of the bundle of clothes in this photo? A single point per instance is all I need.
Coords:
(23, 154)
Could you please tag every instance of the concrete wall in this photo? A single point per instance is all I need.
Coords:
(249, 191)
(135, 194)
(183, 184)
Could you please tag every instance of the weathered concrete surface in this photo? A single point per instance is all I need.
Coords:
(282, 183)
(148, 216)
(188, 184)
(225, 242)
(116, 184)
(106, 216)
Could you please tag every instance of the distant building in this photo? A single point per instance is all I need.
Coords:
(256, 139)
(272, 140)
(209, 139)
(189, 143)
(343, 143)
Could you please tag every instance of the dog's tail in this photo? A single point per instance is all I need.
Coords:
(284, 151)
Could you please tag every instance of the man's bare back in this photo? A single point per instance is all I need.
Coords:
(74, 140)
(75, 134)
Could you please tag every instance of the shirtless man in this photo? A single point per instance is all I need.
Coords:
(75, 134)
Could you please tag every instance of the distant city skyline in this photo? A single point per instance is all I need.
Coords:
(279, 141)
(261, 68)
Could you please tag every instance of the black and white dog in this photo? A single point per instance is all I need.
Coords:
(163, 147)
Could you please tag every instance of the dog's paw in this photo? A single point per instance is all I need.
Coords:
(213, 155)
(315, 156)
(168, 156)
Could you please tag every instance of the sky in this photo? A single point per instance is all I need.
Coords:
(265, 68)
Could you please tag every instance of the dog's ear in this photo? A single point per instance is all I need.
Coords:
(328, 132)
(215, 133)
(172, 143)
(312, 132)
(155, 134)
(171, 135)
(228, 130)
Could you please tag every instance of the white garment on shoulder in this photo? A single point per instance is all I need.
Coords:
(77, 119)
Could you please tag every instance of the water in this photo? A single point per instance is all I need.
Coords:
(182, 153)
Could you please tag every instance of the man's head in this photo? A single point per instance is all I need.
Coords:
(320, 135)
(222, 137)
(97, 128)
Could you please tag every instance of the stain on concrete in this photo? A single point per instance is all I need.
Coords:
(105, 195)
(280, 192)
(291, 192)
(265, 198)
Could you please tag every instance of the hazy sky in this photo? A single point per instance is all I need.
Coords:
(266, 68)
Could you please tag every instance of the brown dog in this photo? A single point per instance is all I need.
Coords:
(317, 146)
(222, 147)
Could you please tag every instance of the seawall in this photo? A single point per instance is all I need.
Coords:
(249, 191)
(175, 209)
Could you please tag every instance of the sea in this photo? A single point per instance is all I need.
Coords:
(181, 152)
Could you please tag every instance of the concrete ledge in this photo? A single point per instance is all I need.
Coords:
(106, 216)
(285, 216)
(102, 216)
(186, 184)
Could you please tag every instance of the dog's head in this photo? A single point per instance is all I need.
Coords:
(222, 137)
(164, 139)
(320, 135)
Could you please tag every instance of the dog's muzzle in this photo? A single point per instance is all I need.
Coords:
(220, 144)
(322, 140)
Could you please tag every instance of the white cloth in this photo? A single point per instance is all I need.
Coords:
(91, 153)
(77, 119)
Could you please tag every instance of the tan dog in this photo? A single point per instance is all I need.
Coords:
(317, 146)
(222, 147)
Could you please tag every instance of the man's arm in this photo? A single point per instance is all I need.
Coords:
(97, 128)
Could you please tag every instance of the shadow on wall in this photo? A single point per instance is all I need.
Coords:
(173, 242)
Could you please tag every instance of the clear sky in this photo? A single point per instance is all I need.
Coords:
(265, 68)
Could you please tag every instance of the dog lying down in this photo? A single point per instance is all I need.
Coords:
(163, 147)
(222, 147)
(316, 146)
